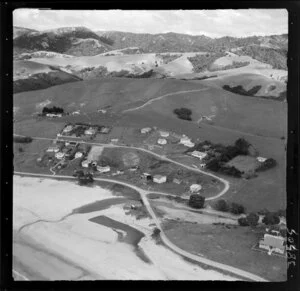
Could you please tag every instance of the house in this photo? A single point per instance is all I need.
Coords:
(194, 188)
(164, 133)
(68, 128)
(59, 155)
(189, 144)
(185, 139)
(53, 149)
(176, 181)
(90, 131)
(162, 141)
(103, 169)
(199, 155)
(145, 130)
(273, 243)
(78, 155)
(261, 159)
(159, 179)
(85, 163)
(203, 165)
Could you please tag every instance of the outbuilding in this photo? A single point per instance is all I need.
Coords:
(164, 133)
(194, 188)
(145, 130)
(162, 141)
(85, 163)
(103, 169)
(261, 159)
(159, 179)
(199, 155)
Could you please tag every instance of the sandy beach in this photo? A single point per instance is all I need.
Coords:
(50, 244)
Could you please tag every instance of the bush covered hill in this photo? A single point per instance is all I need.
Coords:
(76, 41)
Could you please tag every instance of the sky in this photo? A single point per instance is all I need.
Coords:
(213, 23)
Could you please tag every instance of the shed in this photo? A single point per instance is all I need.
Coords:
(159, 179)
(261, 159)
(104, 169)
(145, 130)
(162, 141)
(195, 188)
(164, 133)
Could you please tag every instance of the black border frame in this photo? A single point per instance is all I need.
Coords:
(6, 170)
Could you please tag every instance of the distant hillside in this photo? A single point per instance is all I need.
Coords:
(18, 31)
(30, 76)
(77, 41)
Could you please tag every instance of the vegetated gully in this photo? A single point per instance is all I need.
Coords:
(144, 193)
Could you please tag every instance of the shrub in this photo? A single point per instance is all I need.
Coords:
(252, 219)
(271, 218)
(85, 179)
(53, 109)
(236, 208)
(243, 221)
(183, 113)
(196, 201)
(267, 164)
(155, 233)
(221, 205)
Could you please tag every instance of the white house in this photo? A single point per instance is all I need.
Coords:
(273, 243)
(145, 130)
(199, 155)
(164, 133)
(159, 179)
(185, 139)
(104, 169)
(59, 155)
(68, 128)
(53, 149)
(261, 159)
(78, 155)
(162, 141)
(85, 163)
(189, 144)
(195, 188)
(90, 131)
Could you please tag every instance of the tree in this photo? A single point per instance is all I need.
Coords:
(252, 219)
(243, 221)
(271, 218)
(196, 201)
(222, 205)
(236, 208)
(242, 146)
(156, 232)
(183, 113)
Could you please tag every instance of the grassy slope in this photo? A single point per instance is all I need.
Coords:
(264, 117)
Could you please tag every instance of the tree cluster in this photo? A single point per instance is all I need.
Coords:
(53, 110)
(250, 220)
(202, 62)
(183, 113)
(22, 139)
(196, 201)
(234, 208)
(267, 164)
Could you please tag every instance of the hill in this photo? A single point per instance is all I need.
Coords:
(17, 31)
(69, 40)
(30, 76)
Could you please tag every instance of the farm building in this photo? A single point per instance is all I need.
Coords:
(104, 169)
(145, 130)
(90, 131)
(195, 188)
(159, 179)
(76, 112)
(164, 133)
(85, 163)
(53, 115)
(59, 155)
(162, 141)
(53, 149)
(185, 139)
(273, 243)
(78, 155)
(176, 181)
(199, 155)
(105, 129)
(68, 128)
(261, 159)
(189, 144)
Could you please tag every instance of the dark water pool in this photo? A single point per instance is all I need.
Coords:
(101, 205)
(132, 237)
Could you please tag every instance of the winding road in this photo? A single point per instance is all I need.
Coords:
(143, 194)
